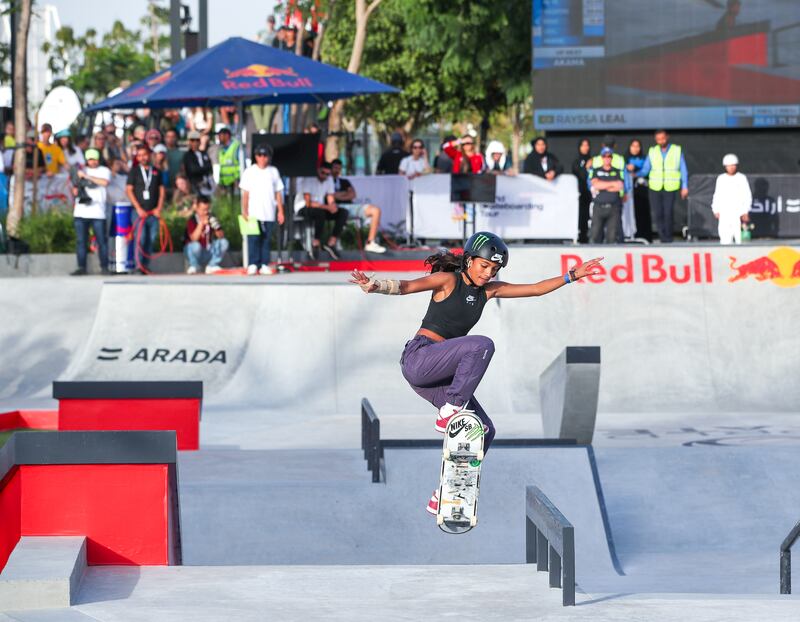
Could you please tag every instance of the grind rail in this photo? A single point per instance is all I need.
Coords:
(373, 445)
(550, 542)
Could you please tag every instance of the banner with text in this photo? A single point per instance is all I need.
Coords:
(526, 207)
(775, 212)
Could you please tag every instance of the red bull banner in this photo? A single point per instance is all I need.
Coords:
(261, 76)
(780, 265)
(775, 212)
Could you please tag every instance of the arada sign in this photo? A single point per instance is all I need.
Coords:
(164, 355)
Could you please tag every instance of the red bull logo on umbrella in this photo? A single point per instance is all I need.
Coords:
(160, 78)
(781, 267)
(261, 76)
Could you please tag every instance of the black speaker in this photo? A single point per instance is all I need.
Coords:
(466, 188)
(294, 155)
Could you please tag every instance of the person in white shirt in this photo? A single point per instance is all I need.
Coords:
(732, 201)
(316, 202)
(416, 164)
(262, 199)
(90, 210)
(344, 196)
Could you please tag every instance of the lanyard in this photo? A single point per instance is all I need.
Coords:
(147, 178)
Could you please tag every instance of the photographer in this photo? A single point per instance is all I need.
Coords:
(205, 240)
(89, 189)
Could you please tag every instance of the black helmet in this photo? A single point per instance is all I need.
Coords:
(488, 246)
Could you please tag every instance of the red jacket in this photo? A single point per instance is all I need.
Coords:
(476, 161)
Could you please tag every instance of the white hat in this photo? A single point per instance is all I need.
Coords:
(159, 148)
(730, 159)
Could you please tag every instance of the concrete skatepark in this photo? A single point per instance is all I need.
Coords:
(695, 443)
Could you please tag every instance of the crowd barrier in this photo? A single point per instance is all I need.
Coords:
(775, 212)
(526, 206)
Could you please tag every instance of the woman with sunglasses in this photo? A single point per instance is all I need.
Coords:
(465, 156)
(442, 363)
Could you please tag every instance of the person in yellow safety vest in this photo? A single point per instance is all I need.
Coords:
(665, 169)
(228, 153)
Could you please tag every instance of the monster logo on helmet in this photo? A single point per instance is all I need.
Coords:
(488, 246)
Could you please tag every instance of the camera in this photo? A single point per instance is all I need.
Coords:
(81, 184)
(214, 223)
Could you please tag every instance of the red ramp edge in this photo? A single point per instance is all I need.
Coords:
(119, 489)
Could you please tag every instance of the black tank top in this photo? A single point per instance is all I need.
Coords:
(458, 313)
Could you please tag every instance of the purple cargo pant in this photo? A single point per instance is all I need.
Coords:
(449, 371)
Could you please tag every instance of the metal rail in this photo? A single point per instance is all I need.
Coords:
(550, 542)
(371, 440)
(373, 445)
(786, 559)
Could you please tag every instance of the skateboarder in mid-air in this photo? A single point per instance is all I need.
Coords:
(442, 363)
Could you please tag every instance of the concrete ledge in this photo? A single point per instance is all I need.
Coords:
(43, 572)
(569, 390)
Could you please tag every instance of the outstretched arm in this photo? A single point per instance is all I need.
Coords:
(435, 281)
(500, 289)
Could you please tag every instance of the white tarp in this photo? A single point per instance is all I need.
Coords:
(389, 192)
(527, 207)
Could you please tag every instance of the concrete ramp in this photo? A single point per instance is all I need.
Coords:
(44, 324)
(169, 331)
(319, 507)
(701, 519)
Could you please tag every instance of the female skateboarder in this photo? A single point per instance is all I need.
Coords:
(442, 363)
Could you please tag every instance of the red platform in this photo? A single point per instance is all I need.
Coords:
(119, 489)
(132, 406)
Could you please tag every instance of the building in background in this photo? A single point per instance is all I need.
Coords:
(45, 22)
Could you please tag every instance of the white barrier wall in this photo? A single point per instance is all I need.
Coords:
(682, 329)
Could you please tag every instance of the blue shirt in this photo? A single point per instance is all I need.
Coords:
(684, 171)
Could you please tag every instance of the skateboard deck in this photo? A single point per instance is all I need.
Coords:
(462, 454)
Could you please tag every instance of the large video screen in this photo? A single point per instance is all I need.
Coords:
(642, 64)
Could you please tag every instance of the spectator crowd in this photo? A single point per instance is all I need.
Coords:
(183, 160)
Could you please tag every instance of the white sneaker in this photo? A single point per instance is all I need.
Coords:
(374, 247)
(252, 269)
(191, 270)
(265, 269)
(212, 269)
(446, 412)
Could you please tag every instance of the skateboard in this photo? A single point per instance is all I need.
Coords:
(462, 454)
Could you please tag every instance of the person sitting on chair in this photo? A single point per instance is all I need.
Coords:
(344, 195)
(316, 203)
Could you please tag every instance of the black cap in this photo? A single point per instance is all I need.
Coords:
(263, 150)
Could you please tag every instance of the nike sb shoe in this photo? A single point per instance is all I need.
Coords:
(447, 411)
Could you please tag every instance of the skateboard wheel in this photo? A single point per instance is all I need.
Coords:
(473, 520)
(439, 519)
(480, 455)
(446, 453)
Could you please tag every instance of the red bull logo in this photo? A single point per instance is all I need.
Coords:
(160, 78)
(261, 76)
(647, 268)
(781, 267)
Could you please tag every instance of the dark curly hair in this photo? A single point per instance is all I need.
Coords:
(444, 261)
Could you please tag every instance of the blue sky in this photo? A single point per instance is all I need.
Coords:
(246, 20)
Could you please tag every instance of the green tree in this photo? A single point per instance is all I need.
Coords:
(388, 58)
(451, 59)
(484, 45)
(93, 68)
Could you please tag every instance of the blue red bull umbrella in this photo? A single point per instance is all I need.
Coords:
(242, 71)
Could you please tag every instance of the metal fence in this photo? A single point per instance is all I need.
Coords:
(550, 542)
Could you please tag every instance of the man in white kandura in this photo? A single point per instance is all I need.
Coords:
(732, 201)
